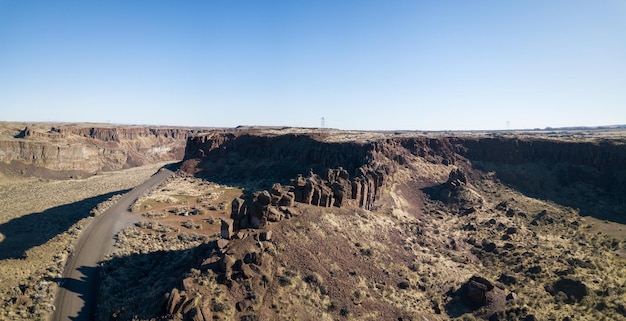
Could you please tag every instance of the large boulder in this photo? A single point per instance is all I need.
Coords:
(264, 198)
(480, 296)
(574, 289)
(456, 178)
(274, 214)
(287, 199)
(282, 195)
(478, 290)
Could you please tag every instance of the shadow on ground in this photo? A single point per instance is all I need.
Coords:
(136, 285)
(86, 288)
(594, 193)
(172, 166)
(28, 231)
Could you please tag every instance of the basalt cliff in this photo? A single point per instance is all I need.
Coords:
(328, 169)
(62, 151)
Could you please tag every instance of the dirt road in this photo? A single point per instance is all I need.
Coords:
(77, 294)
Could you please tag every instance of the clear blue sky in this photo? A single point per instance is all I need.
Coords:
(427, 65)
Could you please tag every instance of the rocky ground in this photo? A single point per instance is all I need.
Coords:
(419, 237)
(295, 224)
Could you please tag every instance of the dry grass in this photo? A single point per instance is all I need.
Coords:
(151, 258)
(59, 209)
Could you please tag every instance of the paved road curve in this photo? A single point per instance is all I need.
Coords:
(76, 297)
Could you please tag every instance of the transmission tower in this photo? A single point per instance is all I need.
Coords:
(323, 122)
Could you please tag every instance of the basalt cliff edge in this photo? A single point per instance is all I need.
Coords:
(62, 151)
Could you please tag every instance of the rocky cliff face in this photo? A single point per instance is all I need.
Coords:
(606, 155)
(319, 168)
(313, 169)
(588, 175)
(66, 151)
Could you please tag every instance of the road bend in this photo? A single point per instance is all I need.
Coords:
(77, 294)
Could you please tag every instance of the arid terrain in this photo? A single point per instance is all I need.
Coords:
(306, 224)
(40, 220)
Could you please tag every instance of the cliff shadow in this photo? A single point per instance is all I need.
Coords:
(173, 166)
(86, 289)
(256, 162)
(595, 193)
(137, 285)
(31, 230)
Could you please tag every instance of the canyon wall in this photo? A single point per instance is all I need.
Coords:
(603, 155)
(69, 151)
(326, 167)
(322, 169)
(318, 169)
(243, 154)
(589, 175)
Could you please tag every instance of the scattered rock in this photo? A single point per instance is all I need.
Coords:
(511, 230)
(534, 270)
(488, 246)
(456, 178)
(469, 227)
(479, 294)
(404, 285)
(222, 243)
(265, 236)
(251, 258)
(507, 279)
(574, 289)
(511, 296)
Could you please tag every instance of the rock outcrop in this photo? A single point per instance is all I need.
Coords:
(602, 155)
(243, 266)
(322, 169)
(310, 169)
(331, 172)
(480, 295)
